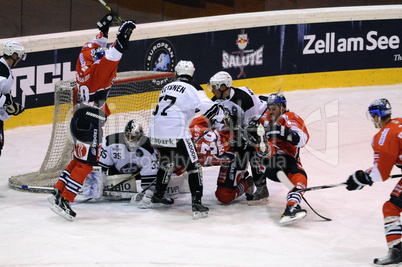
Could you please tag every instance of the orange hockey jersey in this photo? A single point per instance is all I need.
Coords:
(212, 146)
(94, 79)
(294, 123)
(387, 146)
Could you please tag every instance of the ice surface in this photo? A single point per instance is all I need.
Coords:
(118, 234)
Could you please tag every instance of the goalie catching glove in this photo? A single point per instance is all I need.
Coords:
(358, 180)
(123, 35)
(11, 107)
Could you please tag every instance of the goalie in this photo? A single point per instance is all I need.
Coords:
(128, 152)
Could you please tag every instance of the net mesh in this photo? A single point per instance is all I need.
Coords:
(132, 96)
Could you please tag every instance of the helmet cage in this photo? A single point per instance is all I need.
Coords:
(132, 134)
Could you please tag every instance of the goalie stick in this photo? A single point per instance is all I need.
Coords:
(139, 196)
(111, 10)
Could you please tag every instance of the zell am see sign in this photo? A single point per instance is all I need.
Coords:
(331, 43)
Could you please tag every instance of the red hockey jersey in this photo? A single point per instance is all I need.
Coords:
(94, 79)
(387, 146)
(294, 123)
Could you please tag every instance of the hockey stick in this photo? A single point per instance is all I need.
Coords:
(286, 182)
(139, 196)
(333, 185)
(111, 10)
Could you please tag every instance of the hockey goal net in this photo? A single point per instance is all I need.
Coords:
(133, 96)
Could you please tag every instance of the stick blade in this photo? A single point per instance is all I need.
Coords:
(285, 180)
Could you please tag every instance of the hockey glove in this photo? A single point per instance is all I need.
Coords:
(282, 133)
(14, 109)
(104, 24)
(123, 35)
(358, 180)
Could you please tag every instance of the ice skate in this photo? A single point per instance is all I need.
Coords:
(259, 197)
(55, 195)
(393, 257)
(199, 210)
(292, 213)
(63, 209)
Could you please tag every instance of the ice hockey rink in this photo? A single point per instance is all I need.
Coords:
(119, 234)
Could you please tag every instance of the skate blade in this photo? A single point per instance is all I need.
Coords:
(200, 214)
(259, 202)
(59, 211)
(288, 219)
(51, 199)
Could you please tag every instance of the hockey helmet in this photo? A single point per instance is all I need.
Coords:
(98, 53)
(184, 67)
(276, 98)
(380, 107)
(11, 47)
(132, 134)
(218, 79)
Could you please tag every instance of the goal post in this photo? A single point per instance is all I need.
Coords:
(132, 96)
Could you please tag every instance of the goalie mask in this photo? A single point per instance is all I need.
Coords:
(98, 53)
(132, 134)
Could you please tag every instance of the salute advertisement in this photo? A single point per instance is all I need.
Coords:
(245, 53)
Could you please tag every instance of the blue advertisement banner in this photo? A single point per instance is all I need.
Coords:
(246, 53)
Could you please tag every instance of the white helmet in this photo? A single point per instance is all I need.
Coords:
(11, 47)
(184, 68)
(218, 79)
(132, 134)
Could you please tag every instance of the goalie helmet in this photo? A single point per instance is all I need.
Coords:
(184, 68)
(98, 53)
(380, 107)
(11, 47)
(132, 134)
(218, 79)
(276, 98)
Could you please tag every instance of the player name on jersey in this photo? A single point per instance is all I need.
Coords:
(174, 87)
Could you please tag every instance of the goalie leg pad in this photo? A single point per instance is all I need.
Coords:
(93, 184)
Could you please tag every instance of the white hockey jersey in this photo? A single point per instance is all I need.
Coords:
(114, 153)
(247, 100)
(6, 82)
(171, 119)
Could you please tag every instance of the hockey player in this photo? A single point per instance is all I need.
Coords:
(13, 52)
(214, 150)
(288, 133)
(387, 147)
(220, 85)
(96, 70)
(170, 134)
(130, 152)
